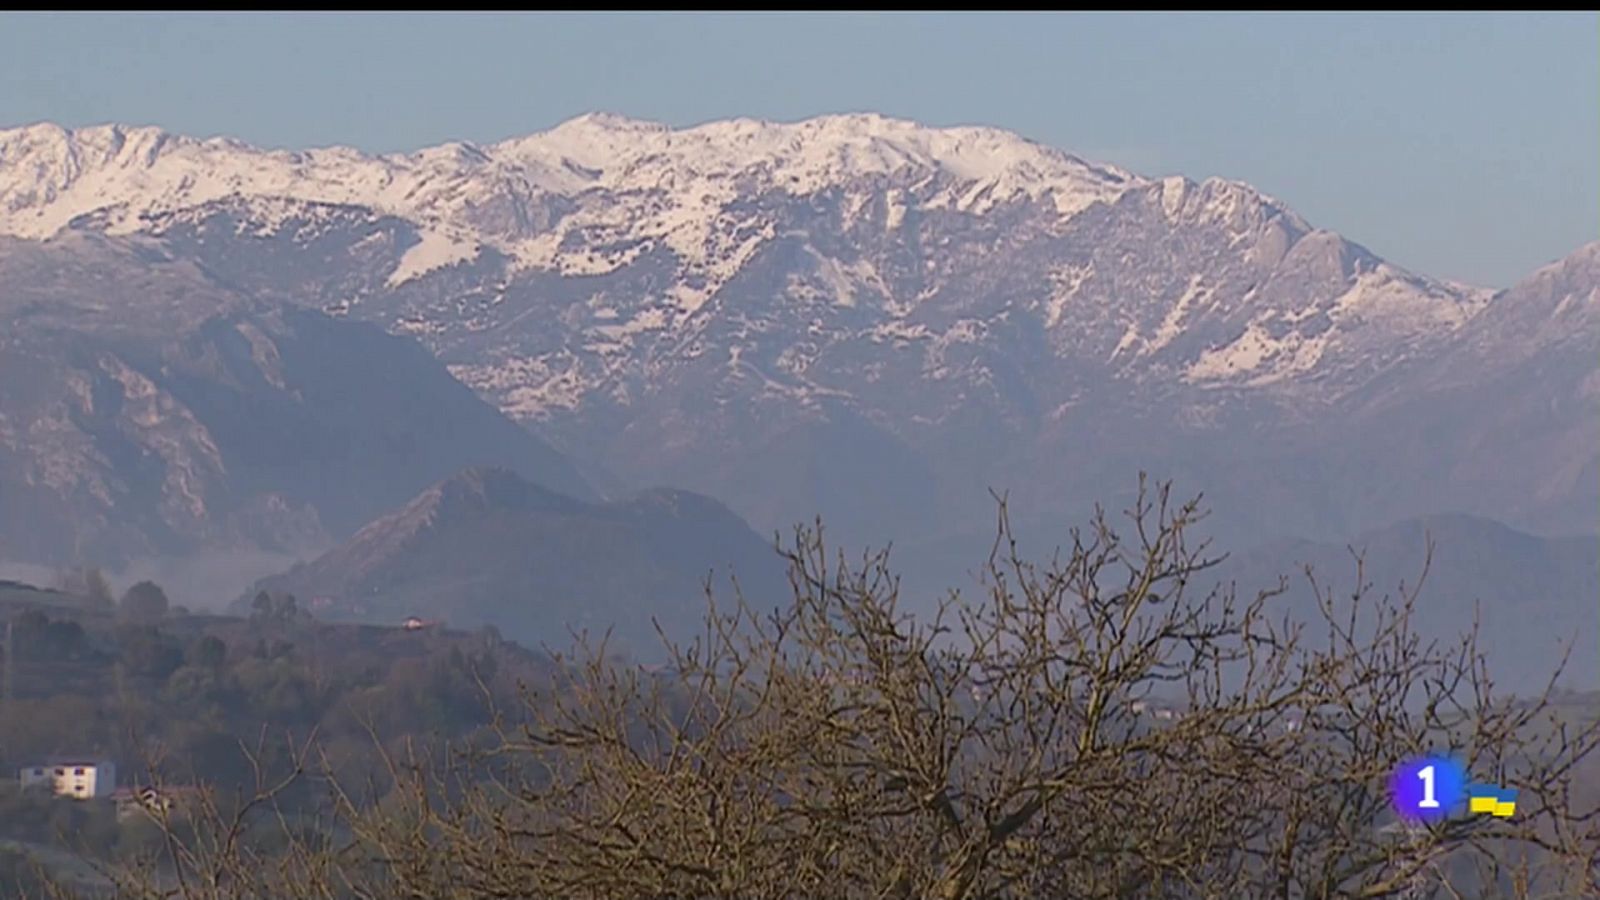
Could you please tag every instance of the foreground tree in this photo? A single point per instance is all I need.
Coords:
(1108, 724)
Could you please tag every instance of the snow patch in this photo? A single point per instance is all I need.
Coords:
(652, 319)
(1128, 339)
(528, 388)
(1385, 296)
(1246, 352)
(895, 213)
(1064, 285)
(840, 285)
(898, 331)
(1257, 359)
(435, 250)
(1173, 191)
(1172, 323)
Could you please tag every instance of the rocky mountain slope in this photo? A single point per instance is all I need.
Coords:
(146, 409)
(1510, 414)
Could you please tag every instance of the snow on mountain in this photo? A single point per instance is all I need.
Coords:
(685, 305)
(1382, 306)
(599, 193)
(632, 181)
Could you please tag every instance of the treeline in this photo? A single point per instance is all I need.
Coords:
(184, 699)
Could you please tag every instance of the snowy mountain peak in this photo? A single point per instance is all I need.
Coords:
(624, 184)
(804, 155)
(50, 175)
(600, 121)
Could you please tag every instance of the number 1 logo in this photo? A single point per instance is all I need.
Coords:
(1428, 801)
(1428, 787)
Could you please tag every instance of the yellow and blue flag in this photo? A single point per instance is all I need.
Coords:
(1492, 799)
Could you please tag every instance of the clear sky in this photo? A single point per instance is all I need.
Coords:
(1463, 146)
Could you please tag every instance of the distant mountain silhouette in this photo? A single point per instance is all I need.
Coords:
(1531, 595)
(487, 547)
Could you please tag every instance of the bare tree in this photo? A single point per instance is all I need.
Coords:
(213, 845)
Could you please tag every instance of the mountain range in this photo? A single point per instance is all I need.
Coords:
(853, 316)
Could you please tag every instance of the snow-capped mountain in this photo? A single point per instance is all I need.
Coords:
(602, 196)
(851, 314)
(612, 181)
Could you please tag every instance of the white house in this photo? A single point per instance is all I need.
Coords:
(1157, 708)
(77, 778)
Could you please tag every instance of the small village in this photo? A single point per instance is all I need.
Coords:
(95, 780)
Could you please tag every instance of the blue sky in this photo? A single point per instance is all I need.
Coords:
(1463, 146)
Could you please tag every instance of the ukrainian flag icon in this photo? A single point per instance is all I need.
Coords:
(1492, 800)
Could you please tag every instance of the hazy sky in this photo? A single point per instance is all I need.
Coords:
(1463, 146)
